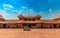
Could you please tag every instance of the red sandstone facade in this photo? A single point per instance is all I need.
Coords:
(29, 22)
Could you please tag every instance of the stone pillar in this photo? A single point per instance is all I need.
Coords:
(57, 26)
(1, 26)
(6, 26)
(37, 25)
(19, 25)
(51, 26)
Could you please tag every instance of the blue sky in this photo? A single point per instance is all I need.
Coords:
(48, 9)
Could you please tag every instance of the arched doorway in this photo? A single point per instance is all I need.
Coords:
(29, 26)
(54, 25)
(33, 24)
(4, 26)
(24, 26)
(50, 26)
(41, 26)
(17, 26)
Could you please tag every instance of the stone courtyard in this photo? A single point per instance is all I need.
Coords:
(33, 33)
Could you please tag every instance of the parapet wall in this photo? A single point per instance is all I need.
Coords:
(33, 33)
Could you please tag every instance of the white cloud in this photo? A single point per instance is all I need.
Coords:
(19, 12)
(27, 12)
(23, 7)
(51, 13)
(7, 15)
(50, 10)
(7, 6)
(31, 10)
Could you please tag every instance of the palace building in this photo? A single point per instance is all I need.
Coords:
(30, 22)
